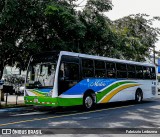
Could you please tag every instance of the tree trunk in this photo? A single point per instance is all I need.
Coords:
(1, 70)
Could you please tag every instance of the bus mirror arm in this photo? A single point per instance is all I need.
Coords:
(63, 78)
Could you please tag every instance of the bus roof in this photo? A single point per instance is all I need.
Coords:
(105, 58)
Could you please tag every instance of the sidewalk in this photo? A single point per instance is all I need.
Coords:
(11, 100)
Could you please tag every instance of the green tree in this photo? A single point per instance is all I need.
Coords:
(136, 36)
(64, 27)
(98, 37)
(17, 20)
(31, 26)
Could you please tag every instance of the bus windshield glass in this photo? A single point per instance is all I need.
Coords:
(41, 71)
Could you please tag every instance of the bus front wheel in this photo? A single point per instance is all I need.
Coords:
(138, 96)
(88, 102)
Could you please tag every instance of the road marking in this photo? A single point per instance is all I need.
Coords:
(66, 115)
(30, 113)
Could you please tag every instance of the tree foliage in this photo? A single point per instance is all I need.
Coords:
(31, 26)
(136, 36)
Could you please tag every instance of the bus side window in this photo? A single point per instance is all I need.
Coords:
(100, 71)
(32, 73)
(121, 70)
(72, 71)
(131, 71)
(68, 76)
(87, 68)
(146, 73)
(69, 71)
(61, 72)
(111, 69)
(139, 72)
(153, 73)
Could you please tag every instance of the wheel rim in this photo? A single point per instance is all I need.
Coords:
(88, 102)
(139, 97)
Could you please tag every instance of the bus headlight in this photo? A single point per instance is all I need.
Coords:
(49, 93)
(35, 100)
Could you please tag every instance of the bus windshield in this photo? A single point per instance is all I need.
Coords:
(41, 71)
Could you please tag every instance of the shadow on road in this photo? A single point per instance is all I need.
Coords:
(112, 115)
(75, 109)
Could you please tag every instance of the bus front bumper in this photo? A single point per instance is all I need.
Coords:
(41, 101)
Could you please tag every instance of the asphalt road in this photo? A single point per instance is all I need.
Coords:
(112, 115)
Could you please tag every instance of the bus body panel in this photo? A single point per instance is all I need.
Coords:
(105, 89)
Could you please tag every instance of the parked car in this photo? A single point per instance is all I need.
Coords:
(19, 89)
(158, 86)
(1, 84)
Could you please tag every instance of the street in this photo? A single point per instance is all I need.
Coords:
(112, 115)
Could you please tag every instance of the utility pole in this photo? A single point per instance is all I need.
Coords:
(154, 55)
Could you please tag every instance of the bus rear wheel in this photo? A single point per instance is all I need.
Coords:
(138, 96)
(88, 102)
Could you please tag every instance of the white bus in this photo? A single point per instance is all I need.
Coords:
(68, 79)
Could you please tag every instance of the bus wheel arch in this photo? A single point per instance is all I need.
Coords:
(89, 99)
(138, 95)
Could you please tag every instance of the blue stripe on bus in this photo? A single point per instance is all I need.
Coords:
(93, 84)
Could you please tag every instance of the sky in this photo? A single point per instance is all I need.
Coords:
(123, 8)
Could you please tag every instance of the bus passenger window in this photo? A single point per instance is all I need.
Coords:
(131, 71)
(68, 76)
(111, 74)
(146, 73)
(88, 73)
(69, 71)
(61, 72)
(100, 71)
(32, 73)
(121, 70)
(72, 71)
(87, 63)
(139, 72)
(153, 73)
(87, 68)
(111, 70)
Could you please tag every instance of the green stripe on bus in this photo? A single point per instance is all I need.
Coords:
(43, 101)
(47, 101)
(110, 88)
(70, 101)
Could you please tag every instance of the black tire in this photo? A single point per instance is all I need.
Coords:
(88, 101)
(138, 96)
